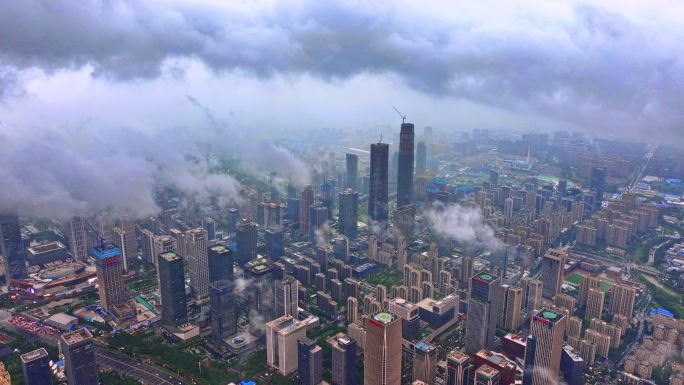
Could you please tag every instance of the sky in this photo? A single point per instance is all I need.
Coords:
(83, 78)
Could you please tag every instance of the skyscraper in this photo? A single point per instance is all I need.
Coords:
(486, 375)
(109, 276)
(309, 362)
(349, 208)
(210, 225)
(127, 241)
(552, 272)
(286, 297)
(223, 310)
(382, 351)
(274, 236)
(532, 293)
(172, 289)
(79, 357)
(12, 247)
(36, 367)
(220, 260)
(421, 157)
(352, 171)
(306, 199)
(246, 237)
(459, 367)
(318, 216)
(198, 262)
(77, 239)
(482, 312)
(543, 356)
(406, 164)
(512, 304)
(425, 363)
(282, 335)
(378, 197)
(343, 359)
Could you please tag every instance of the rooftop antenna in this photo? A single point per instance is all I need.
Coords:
(380, 138)
(403, 117)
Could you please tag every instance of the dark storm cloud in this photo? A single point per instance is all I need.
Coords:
(598, 70)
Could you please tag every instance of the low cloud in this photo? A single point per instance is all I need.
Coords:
(593, 67)
(462, 224)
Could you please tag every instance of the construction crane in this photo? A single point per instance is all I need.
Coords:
(403, 117)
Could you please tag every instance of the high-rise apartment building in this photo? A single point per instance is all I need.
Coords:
(595, 299)
(352, 309)
(343, 359)
(552, 272)
(587, 282)
(483, 305)
(622, 301)
(378, 197)
(306, 199)
(79, 357)
(406, 165)
(543, 351)
(172, 289)
(382, 350)
(36, 367)
(198, 262)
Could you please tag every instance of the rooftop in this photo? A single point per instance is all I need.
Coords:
(106, 251)
(486, 277)
(170, 256)
(76, 336)
(34, 355)
(384, 317)
(457, 356)
(219, 248)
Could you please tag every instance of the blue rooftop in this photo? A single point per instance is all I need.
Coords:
(106, 252)
(663, 312)
(247, 383)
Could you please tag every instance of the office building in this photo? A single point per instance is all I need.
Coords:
(274, 237)
(595, 300)
(246, 239)
(286, 297)
(349, 208)
(79, 357)
(512, 304)
(352, 171)
(459, 368)
(198, 262)
(126, 240)
(181, 243)
(282, 336)
(382, 351)
(309, 362)
(78, 239)
(572, 366)
(403, 220)
(486, 375)
(223, 310)
(210, 226)
(405, 166)
(36, 367)
(110, 272)
(598, 184)
(318, 216)
(343, 359)
(552, 272)
(172, 290)
(378, 197)
(409, 314)
(220, 260)
(543, 352)
(306, 199)
(147, 246)
(622, 300)
(12, 247)
(425, 363)
(482, 312)
(532, 294)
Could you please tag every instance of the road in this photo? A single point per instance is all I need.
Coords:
(135, 368)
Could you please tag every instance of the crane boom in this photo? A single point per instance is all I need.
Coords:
(403, 117)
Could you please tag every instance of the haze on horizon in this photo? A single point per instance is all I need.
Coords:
(127, 86)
